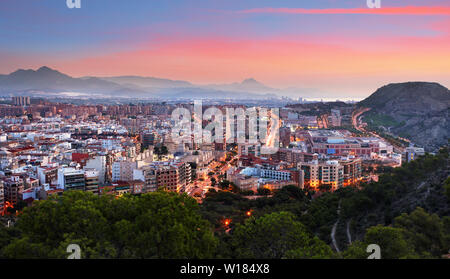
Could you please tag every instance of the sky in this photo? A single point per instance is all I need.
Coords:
(337, 47)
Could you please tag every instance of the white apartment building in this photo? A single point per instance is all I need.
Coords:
(98, 163)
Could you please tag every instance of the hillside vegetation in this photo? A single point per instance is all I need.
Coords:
(419, 111)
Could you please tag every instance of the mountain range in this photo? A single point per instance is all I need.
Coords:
(49, 81)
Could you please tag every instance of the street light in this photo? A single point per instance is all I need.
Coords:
(227, 222)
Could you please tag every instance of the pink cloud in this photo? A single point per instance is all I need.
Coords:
(411, 10)
(277, 61)
(343, 63)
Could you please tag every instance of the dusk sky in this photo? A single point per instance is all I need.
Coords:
(336, 47)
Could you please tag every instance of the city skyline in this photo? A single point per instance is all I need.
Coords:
(332, 47)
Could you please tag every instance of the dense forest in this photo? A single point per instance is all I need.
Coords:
(406, 213)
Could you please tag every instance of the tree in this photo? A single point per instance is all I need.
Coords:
(290, 192)
(153, 225)
(316, 249)
(357, 250)
(264, 191)
(322, 213)
(5, 238)
(170, 227)
(391, 241)
(325, 187)
(164, 150)
(426, 232)
(224, 184)
(275, 236)
(447, 188)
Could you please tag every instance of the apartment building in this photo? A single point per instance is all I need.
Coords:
(269, 172)
(13, 189)
(244, 182)
(123, 170)
(172, 176)
(71, 179)
(98, 163)
(317, 173)
(47, 175)
(292, 156)
(148, 175)
(352, 170)
(91, 181)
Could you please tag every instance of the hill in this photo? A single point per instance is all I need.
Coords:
(418, 111)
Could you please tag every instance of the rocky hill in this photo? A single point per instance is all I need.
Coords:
(418, 111)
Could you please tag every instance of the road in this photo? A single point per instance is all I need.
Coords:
(333, 230)
(349, 236)
(357, 122)
(358, 125)
(203, 186)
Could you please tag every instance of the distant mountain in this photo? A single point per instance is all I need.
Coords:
(148, 81)
(51, 81)
(211, 93)
(419, 111)
(45, 81)
(247, 85)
